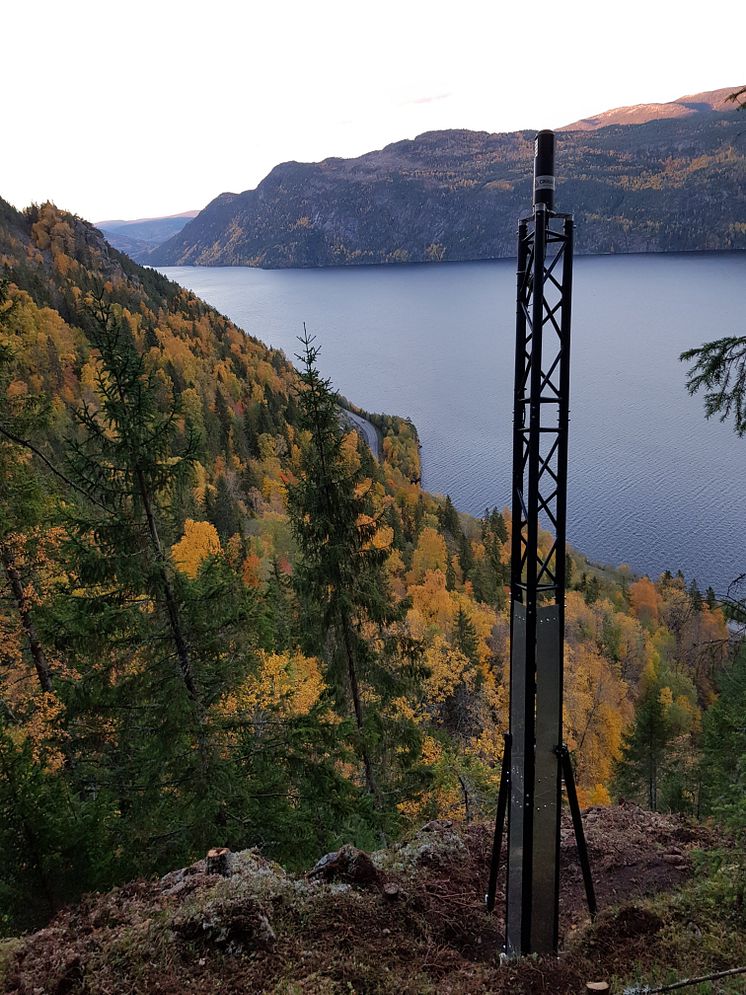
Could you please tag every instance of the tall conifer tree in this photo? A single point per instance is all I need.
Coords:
(340, 578)
(126, 460)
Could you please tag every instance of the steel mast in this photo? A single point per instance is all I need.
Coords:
(536, 760)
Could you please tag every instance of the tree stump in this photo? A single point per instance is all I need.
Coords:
(217, 861)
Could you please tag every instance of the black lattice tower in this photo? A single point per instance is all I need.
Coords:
(536, 761)
(539, 509)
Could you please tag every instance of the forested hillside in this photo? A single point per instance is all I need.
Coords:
(224, 623)
(666, 185)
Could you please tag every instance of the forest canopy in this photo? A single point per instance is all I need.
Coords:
(226, 623)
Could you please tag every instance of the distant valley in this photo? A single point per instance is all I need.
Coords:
(649, 178)
(139, 237)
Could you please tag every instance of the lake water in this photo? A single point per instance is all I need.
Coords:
(652, 483)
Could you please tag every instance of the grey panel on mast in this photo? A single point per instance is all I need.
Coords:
(547, 779)
(515, 912)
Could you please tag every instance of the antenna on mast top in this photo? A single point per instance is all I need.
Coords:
(544, 180)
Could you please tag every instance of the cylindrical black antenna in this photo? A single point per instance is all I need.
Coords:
(544, 182)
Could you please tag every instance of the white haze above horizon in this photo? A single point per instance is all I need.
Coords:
(154, 108)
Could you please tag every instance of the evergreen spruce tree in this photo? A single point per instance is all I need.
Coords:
(657, 759)
(498, 526)
(338, 580)
(724, 764)
(638, 771)
(53, 839)
(450, 574)
(695, 596)
(592, 589)
(724, 742)
(225, 420)
(50, 836)
(221, 510)
(719, 368)
(280, 608)
(126, 460)
(23, 506)
(344, 598)
(466, 557)
(459, 708)
(449, 520)
(465, 636)
(167, 648)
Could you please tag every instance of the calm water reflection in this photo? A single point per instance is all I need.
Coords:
(651, 482)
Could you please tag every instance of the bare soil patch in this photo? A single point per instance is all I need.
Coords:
(408, 919)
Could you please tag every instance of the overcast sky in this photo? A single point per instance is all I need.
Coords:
(149, 107)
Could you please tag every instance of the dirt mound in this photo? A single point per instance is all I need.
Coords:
(407, 919)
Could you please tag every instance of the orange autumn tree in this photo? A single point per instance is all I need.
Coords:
(645, 601)
(596, 710)
(285, 683)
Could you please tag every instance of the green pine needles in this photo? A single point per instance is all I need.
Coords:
(342, 587)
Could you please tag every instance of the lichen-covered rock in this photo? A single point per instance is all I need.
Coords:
(437, 842)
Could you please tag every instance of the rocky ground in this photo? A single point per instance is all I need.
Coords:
(406, 919)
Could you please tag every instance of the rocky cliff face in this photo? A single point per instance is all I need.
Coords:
(672, 184)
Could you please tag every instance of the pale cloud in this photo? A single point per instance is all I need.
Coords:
(426, 100)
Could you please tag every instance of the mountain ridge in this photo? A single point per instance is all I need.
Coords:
(691, 103)
(122, 222)
(668, 184)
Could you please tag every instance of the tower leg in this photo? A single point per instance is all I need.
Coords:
(577, 824)
(497, 843)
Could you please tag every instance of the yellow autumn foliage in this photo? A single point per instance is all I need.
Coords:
(289, 683)
(199, 541)
(430, 554)
(349, 452)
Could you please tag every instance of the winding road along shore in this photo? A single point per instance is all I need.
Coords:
(368, 431)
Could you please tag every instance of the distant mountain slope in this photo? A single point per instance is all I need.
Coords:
(693, 103)
(140, 236)
(665, 185)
